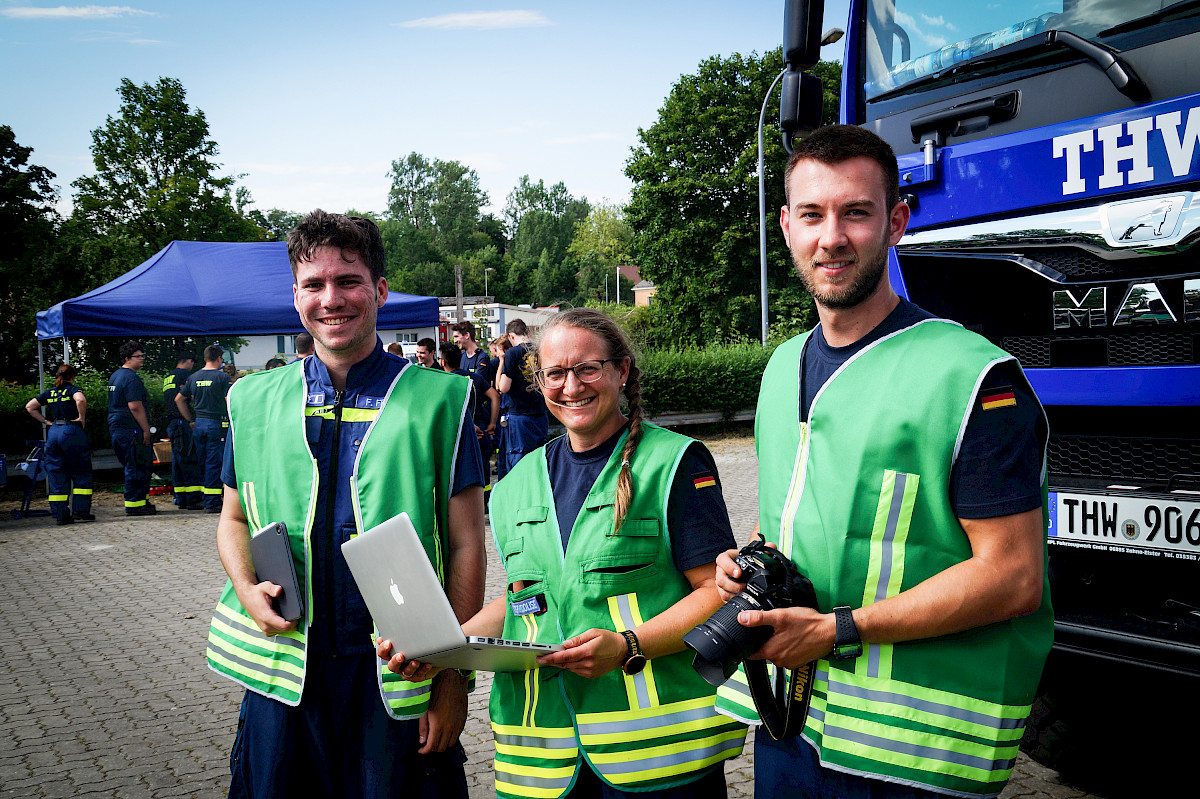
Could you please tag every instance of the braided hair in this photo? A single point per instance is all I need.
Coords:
(619, 348)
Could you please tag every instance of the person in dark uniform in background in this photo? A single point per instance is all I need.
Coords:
(528, 427)
(498, 346)
(304, 346)
(206, 391)
(427, 353)
(474, 357)
(68, 457)
(185, 466)
(274, 363)
(485, 406)
(129, 426)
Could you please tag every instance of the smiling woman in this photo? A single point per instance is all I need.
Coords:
(609, 536)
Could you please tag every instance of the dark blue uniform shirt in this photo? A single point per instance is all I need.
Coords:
(341, 624)
(59, 403)
(697, 518)
(124, 387)
(998, 471)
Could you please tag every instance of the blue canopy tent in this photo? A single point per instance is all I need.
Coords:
(201, 288)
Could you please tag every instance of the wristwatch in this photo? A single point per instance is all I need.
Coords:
(846, 643)
(635, 661)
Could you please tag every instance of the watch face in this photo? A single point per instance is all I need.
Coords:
(634, 664)
(847, 651)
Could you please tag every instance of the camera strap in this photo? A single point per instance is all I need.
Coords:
(782, 711)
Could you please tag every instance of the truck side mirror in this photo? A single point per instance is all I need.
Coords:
(802, 32)
(799, 105)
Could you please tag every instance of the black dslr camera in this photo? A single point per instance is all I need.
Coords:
(772, 581)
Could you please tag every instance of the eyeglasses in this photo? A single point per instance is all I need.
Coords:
(138, 355)
(585, 371)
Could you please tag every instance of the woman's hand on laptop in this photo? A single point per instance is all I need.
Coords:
(411, 670)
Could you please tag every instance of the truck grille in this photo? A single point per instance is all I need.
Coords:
(1145, 459)
(1129, 349)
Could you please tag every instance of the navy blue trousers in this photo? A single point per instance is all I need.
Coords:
(209, 435)
(338, 742)
(523, 435)
(185, 467)
(68, 462)
(135, 457)
(790, 769)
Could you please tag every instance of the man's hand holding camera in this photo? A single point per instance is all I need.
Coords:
(801, 634)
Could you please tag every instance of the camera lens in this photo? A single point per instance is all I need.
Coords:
(721, 643)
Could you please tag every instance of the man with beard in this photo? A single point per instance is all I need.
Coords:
(901, 468)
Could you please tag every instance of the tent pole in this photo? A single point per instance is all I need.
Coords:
(66, 352)
(41, 369)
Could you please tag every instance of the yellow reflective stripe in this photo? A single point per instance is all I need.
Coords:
(59, 497)
(668, 760)
(795, 490)
(186, 489)
(348, 414)
(931, 707)
(640, 689)
(885, 569)
(82, 491)
(211, 491)
(137, 504)
(251, 505)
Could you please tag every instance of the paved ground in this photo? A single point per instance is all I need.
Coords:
(104, 690)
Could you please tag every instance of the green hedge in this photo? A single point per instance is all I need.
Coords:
(724, 379)
(718, 378)
(17, 426)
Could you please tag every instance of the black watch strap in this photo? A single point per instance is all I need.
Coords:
(846, 643)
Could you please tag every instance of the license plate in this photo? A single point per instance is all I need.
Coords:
(1165, 527)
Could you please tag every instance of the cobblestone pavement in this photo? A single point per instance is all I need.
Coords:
(104, 690)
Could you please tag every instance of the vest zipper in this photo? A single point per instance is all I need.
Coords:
(330, 505)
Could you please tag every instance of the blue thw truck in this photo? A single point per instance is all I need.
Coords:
(1050, 153)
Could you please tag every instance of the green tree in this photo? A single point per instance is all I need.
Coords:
(31, 276)
(529, 196)
(602, 242)
(156, 177)
(694, 204)
(442, 195)
(275, 222)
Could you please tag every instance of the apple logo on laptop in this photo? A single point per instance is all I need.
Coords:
(396, 595)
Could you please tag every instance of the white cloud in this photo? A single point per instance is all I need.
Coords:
(480, 21)
(75, 12)
(938, 22)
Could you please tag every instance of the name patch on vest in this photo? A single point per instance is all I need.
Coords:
(316, 399)
(533, 605)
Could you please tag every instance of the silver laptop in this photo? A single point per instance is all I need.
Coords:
(411, 610)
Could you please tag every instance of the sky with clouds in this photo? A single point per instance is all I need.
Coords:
(311, 102)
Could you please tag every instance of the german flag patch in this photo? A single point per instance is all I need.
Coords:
(1002, 397)
(703, 479)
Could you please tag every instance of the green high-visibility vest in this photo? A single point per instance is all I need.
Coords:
(405, 464)
(648, 731)
(858, 498)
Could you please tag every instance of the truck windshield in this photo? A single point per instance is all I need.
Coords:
(909, 40)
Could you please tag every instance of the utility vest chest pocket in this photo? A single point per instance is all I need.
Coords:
(624, 556)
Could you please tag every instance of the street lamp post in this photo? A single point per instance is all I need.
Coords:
(618, 282)
(485, 271)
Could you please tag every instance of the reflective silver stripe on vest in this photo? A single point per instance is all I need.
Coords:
(639, 679)
(648, 723)
(917, 750)
(405, 693)
(536, 742)
(530, 781)
(246, 629)
(885, 566)
(253, 668)
(924, 705)
(665, 761)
